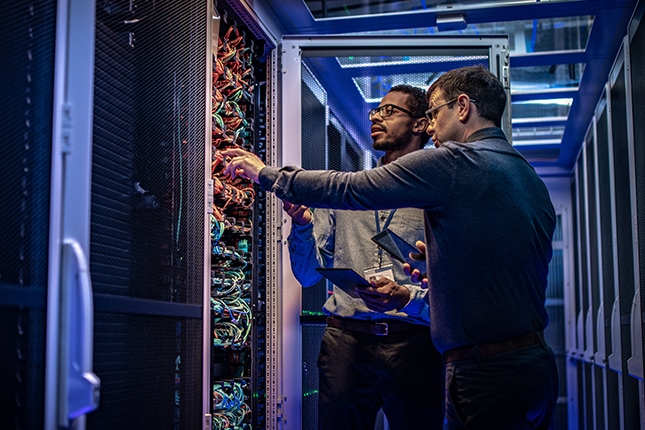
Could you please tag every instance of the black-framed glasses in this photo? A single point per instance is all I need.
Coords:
(386, 110)
(431, 114)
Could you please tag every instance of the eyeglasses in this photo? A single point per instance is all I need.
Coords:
(386, 110)
(431, 114)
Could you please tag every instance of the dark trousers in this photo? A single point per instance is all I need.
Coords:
(361, 373)
(513, 390)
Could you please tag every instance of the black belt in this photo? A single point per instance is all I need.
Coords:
(486, 349)
(377, 328)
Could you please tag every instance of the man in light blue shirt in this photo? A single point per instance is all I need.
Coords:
(376, 351)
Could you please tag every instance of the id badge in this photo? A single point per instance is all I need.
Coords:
(378, 272)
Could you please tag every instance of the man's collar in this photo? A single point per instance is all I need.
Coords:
(486, 133)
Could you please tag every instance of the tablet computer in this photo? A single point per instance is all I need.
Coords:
(346, 279)
(395, 245)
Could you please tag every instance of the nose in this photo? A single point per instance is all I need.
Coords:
(430, 128)
(430, 131)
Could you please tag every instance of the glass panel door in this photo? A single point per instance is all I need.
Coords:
(329, 83)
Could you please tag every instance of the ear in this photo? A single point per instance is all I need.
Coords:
(420, 125)
(465, 107)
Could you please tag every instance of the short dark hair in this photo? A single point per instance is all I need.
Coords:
(417, 103)
(479, 84)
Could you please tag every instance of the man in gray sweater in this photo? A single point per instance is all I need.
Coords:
(489, 223)
(375, 342)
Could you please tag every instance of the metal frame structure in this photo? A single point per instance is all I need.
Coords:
(292, 50)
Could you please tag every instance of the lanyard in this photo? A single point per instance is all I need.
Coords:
(387, 221)
(378, 230)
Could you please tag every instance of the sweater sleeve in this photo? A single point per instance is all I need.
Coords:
(420, 179)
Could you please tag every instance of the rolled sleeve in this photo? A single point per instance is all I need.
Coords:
(302, 253)
(418, 306)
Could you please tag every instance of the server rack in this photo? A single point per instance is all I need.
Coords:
(46, 293)
(636, 41)
(29, 172)
(238, 229)
(607, 344)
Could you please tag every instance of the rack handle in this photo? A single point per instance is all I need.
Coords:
(82, 385)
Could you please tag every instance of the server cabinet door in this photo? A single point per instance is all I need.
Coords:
(148, 225)
(46, 294)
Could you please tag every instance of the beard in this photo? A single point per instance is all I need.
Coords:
(392, 143)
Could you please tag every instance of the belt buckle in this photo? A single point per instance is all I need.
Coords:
(379, 329)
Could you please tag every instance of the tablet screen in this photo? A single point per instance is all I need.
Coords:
(395, 245)
(346, 279)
